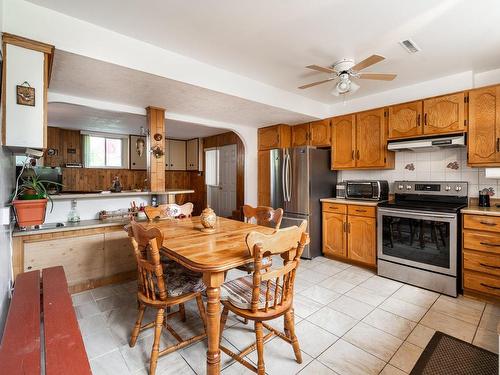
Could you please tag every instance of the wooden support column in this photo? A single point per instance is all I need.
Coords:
(156, 165)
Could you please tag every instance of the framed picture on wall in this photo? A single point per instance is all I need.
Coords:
(25, 94)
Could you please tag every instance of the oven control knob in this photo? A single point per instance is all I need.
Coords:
(401, 187)
(447, 188)
(458, 188)
(408, 187)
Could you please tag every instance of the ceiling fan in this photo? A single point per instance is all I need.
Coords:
(345, 70)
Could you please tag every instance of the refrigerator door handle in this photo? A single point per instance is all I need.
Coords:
(288, 178)
(283, 178)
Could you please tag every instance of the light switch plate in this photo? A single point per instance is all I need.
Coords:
(5, 215)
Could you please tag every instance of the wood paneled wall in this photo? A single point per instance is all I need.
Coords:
(62, 140)
(89, 179)
(231, 138)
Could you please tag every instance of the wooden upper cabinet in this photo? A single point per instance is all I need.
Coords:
(484, 126)
(276, 136)
(300, 135)
(192, 154)
(320, 133)
(343, 142)
(334, 235)
(444, 114)
(371, 139)
(362, 239)
(405, 120)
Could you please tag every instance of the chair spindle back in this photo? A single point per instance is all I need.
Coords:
(147, 243)
(279, 282)
(168, 211)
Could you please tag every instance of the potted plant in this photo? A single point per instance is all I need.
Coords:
(30, 200)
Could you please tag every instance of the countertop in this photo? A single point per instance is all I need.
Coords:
(127, 193)
(83, 224)
(351, 201)
(476, 210)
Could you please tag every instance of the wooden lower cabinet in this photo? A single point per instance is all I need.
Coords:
(90, 257)
(81, 257)
(349, 232)
(334, 235)
(481, 255)
(361, 238)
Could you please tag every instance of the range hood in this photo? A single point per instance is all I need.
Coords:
(427, 144)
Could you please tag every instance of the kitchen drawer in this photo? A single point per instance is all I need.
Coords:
(482, 222)
(483, 283)
(482, 262)
(482, 241)
(356, 210)
(335, 207)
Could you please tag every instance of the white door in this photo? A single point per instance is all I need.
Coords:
(227, 180)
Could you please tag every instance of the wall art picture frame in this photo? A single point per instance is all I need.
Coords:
(25, 94)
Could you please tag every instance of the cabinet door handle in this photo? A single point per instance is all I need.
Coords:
(490, 244)
(418, 119)
(498, 144)
(489, 286)
(488, 224)
(344, 226)
(487, 265)
(425, 118)
(357, 153)
(360, 210)
(352, 154)
(348, 227)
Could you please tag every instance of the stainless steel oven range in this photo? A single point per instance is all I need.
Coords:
(419, 235)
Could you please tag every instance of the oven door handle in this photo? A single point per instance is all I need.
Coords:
(416, 213)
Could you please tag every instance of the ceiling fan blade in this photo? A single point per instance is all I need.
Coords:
(377, 76)
(320, 69)
(373, 59)
(316, 83)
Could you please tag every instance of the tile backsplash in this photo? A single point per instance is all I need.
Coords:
(441, 165)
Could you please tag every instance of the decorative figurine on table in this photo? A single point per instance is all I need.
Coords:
(116, 186)
(208, 220)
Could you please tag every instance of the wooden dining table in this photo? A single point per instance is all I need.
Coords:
(211, 254)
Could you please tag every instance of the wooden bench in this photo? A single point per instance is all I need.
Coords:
(42, 300)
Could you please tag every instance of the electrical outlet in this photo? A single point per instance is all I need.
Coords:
(5, 216)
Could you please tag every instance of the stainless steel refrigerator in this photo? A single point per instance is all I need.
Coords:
(300, 177)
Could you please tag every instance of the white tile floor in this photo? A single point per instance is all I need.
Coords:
(348, 321)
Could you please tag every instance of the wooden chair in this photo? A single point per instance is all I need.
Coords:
(268, 293)
(168, 211)
(262, 215)
(265, 216)
(161, 286)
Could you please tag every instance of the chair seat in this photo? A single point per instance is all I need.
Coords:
(238, 292)
(267, 261)
(181, 280)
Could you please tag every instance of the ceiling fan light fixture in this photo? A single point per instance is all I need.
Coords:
(343, 85)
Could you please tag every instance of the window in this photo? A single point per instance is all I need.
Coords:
(102, 150)
(212, 168)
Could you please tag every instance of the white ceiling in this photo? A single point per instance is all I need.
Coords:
(77, 117)
(84, 77)
(272, 40)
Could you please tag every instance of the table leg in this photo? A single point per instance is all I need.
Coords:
(213, 281)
